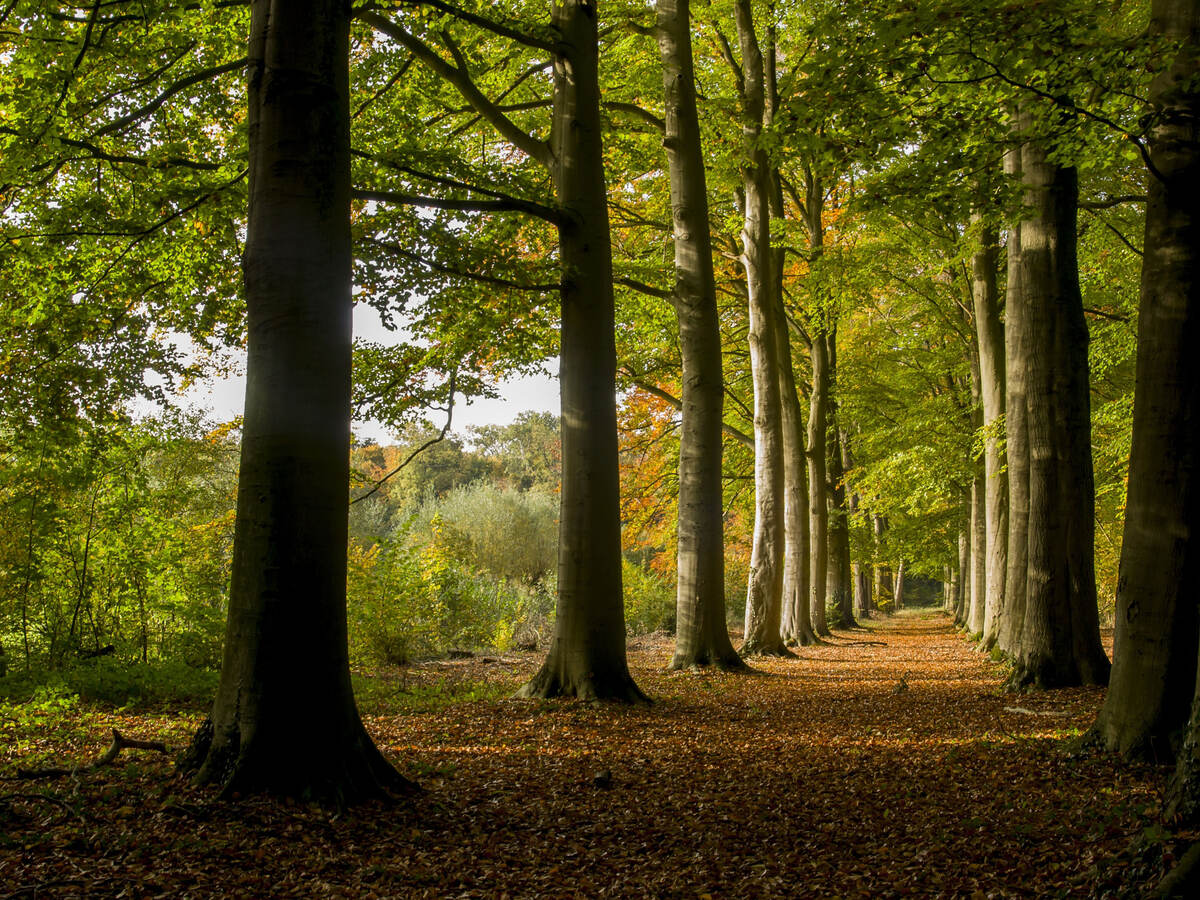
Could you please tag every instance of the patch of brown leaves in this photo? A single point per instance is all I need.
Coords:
(816, 777)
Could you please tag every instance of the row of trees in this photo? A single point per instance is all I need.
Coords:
(790, 231)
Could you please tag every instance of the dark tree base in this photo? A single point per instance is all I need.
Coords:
(724, 662)
(335, 774)
(763, 649)
(553, 681)
(1043, 674)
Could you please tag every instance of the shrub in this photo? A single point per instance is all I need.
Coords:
(649, 600)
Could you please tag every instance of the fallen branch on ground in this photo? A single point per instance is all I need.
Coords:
(119, 743)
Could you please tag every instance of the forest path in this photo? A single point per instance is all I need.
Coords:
(814, 778)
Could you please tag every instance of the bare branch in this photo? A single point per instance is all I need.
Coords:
(508, 205)
(437, 440)
(397, 250)
(461, 80)
(498, 28)
(637, 112)
(653, 390)
(643, 288)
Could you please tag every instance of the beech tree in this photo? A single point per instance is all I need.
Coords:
(701, 636)
(284, 720)
(1153, 688)
(587, 652)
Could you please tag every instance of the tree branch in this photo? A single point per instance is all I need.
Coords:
(740, 436)
(638, 113)
(437, 440)
(507, 205)
(498, 28)
(459, 273)
(170, 92)
(461, 80)
(642, 288)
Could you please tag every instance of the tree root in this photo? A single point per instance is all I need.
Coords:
(119, 743)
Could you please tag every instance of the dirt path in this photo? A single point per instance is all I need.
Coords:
(819, 777)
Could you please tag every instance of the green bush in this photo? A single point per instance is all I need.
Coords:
(649, 600)
(116, 682)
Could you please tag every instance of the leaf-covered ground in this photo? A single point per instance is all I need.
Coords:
(818, 777)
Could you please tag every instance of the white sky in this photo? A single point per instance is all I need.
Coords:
(225, 397)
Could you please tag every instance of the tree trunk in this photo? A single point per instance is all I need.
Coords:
(284, 721)
(962, 598)
(587, 653)
(1060, 638)
(899, 590)
(839, 587)
(882, 589)
(1016, 433)
(1155, 646)
(818, 493)
(797, 573)
(764, 591)
(859, 577)
(701, 637)
(975, 612)
(989, 333)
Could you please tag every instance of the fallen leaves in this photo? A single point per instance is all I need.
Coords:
(811, 778)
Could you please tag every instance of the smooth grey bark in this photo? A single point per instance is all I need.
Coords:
(989, 336)
(284, 721)
(818, 482)
(1154, 673)
(899, 589)
(796, 626)
(975, 612)
(839, 585)
(859, 572)
(963, 579)
(764, 590)
(701, 636)
(1060, 638)
(587, 652)
(1016, 432)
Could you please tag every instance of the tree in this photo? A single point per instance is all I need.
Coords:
(1153, 686)
(764, 592)
(587, 653)
(701, 637)
(284, 721)
(1059, 643)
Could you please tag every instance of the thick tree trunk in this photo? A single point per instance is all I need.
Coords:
(818, 483)
(284, 721)
(587, 653)
(1060, 637)
(764, 591)
(701, 637)
(839, 587)
(1155, 646)
(989, 333)
(1016, 433)
(899, 589)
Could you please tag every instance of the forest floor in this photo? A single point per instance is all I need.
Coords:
(817, 777)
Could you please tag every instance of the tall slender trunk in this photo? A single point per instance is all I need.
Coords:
(1016, 432)
(284, 721)
(764, 591)
(962, 599)
(975, 612)
(1155, 645)
(587, 652)
(899, 589)
(797, 573)
(839, 587)
(859, 572)
(1060, 637)
(882, 588)
(701, 637)
(989, 334)
(818, 501)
